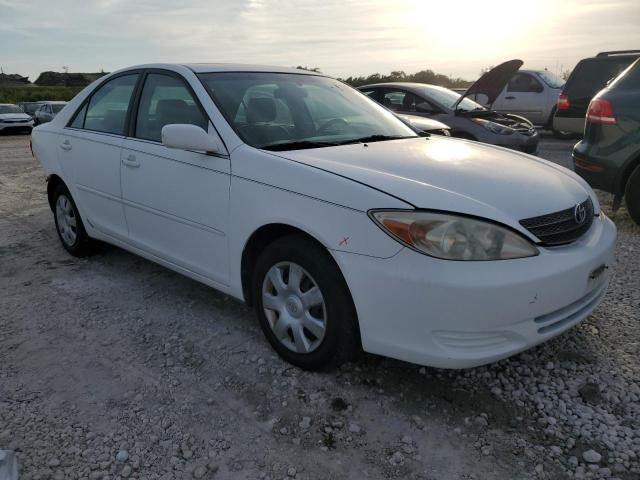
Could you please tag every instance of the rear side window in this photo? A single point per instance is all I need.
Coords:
(78, 120)
(523, 82)
(590, 76)
(166, 99)
(107, 109)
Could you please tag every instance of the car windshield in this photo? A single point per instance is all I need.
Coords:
(31, 107)
(280, 111)
(10, 109)
(448, 98)
(57, 107)
(551, 79)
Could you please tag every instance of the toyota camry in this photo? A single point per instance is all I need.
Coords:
(342, 227)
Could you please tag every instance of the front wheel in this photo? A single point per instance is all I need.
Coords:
(303, 304)
(632, 195)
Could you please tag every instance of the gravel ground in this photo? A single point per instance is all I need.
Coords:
(113, 367)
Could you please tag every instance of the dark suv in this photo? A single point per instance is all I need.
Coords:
(588, 77)
(609, 155)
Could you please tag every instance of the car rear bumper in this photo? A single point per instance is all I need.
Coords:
(597, 172)
(569, 124)
(463, 314)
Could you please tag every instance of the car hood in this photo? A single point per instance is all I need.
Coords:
(455, 175)
(14, 116)
(425, 124)
(491, 83)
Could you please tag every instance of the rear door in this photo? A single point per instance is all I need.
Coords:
(524, 95)
(90, 153)
(175, 201)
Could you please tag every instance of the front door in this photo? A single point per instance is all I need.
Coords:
(175, 201)
(90, 151)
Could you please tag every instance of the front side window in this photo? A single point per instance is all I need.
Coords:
(166, 99)
(281, 111)
(108, 107)
(403, 101)
(525, 83)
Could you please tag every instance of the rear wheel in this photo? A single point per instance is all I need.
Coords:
(632, 195)
(69, 225)
(303, 304)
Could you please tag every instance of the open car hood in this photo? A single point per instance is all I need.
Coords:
(492, 82)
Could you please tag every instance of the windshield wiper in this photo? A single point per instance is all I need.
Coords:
(298, 145)
(376, 138)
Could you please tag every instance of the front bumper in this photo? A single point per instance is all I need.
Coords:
(16, 126)
(463, 314)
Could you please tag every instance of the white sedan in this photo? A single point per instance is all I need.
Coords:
(295, 193)
(13, 119)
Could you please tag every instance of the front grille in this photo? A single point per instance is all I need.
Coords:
(560, 227)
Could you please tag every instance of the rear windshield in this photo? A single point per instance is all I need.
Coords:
(630, 78)
(592, 75)
(551, 79)
(57, 107)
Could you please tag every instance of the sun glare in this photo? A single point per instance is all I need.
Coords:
(470, 26)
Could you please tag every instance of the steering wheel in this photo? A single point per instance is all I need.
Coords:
(322, 130)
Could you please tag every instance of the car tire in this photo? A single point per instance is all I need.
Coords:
(310, 331)
(69, 225)
(632, 195)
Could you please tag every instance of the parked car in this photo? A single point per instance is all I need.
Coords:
(466, 118)
(336, 221)
(13, 119)
(608, 157)
(47, 111)
(30, 107)
(588, 77)
(532, 94)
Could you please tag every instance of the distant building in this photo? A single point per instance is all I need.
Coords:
(13, 80)
(60, 79)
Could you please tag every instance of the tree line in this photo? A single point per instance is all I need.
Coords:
(423, 76)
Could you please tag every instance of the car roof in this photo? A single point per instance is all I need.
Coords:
(51, 101)
(400, 84)
(225, 67)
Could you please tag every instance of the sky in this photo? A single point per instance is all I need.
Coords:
(341, 37)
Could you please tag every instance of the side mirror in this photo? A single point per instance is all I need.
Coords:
(185, 136)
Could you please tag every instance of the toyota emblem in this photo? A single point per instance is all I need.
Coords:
(580, 214)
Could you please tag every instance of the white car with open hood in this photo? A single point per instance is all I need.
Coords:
(297, 194)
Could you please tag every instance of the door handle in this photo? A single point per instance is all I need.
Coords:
(510, 97)
(130, 161)
(66, 145)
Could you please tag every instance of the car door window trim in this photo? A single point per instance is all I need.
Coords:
(96, 89)
(133, 115)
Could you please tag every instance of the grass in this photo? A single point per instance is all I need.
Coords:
(35, 94)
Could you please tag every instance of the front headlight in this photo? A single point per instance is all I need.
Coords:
(494, 127)
(453, 237)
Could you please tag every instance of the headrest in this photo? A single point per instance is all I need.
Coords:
(261, 110)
